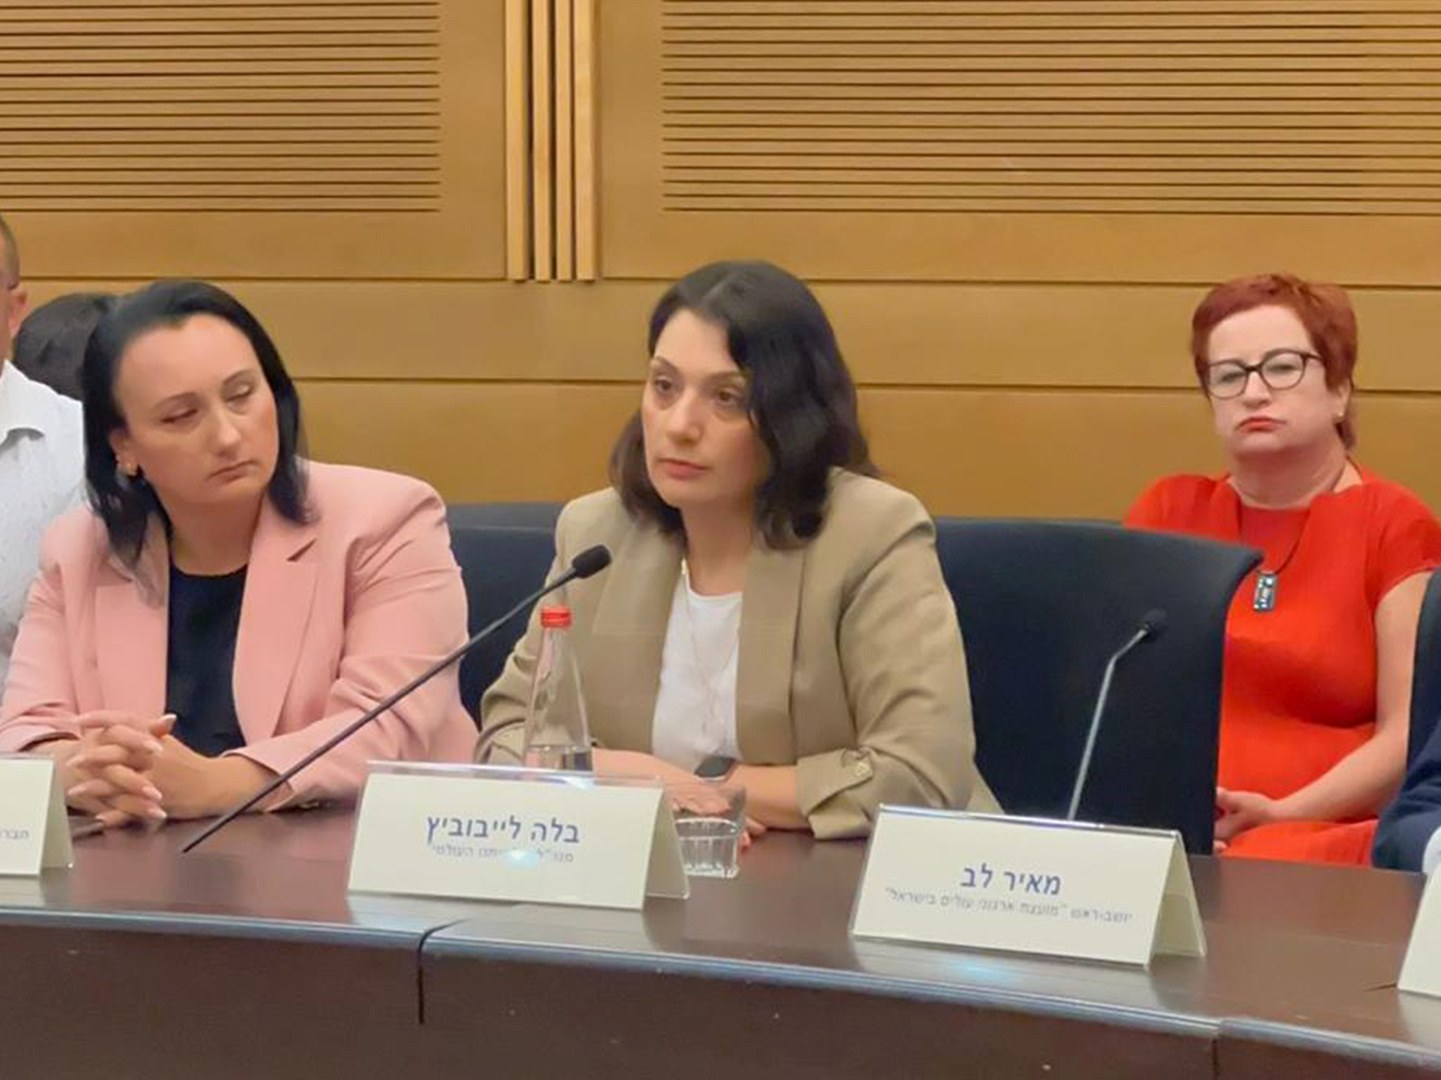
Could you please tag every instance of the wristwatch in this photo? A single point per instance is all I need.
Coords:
(716, 767)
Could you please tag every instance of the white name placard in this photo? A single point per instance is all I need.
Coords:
(487, 833)
(34, 833)
(1421, 970)
(1028, 885)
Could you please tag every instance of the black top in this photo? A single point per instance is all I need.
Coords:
(200, 666)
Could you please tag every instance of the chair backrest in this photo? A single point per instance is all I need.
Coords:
(1042, 606)
(525, 515)
(1426, 674)
(503, 554)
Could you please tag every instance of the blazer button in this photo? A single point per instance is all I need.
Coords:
(863, 768)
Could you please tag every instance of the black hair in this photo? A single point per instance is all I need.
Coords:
(125, 505)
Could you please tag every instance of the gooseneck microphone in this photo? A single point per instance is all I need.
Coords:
(1151, 626)
(589, 562)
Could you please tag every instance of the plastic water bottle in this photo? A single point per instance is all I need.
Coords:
(557, 735)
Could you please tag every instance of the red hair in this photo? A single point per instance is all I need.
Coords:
(1324, 310)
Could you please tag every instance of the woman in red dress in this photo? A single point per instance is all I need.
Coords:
(1320, 639)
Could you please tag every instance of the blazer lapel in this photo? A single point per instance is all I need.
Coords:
(628, 635)
(769, 612)
(279, 589)
(131, 619)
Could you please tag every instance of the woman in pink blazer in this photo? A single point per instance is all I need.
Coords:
(225, 607)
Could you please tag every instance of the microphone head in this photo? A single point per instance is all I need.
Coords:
(1154, 623)
(590, 561)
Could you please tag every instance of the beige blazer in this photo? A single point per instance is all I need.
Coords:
(850, 661)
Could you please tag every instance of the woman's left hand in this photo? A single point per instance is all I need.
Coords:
(1242, 810)
(193, 785)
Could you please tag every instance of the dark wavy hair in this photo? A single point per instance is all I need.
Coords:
(125, 505)
(802, 399)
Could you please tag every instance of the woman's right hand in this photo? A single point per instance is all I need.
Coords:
(105, 772)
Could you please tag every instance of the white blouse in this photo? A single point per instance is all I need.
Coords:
(695, 708)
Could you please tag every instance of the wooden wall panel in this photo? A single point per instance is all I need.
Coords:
(1054, 336)
(1089, 453)
(962, 451)
(480, 441)
(1026, 360)
(1043, 141)
(267, 139)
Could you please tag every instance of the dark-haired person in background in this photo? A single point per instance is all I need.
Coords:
(226, 606)
(770, 600)
(50, 344)
(42, 457)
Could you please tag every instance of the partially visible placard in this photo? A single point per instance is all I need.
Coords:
(1421, 970)
(1027, 885)
(34, 832)
(487, 833)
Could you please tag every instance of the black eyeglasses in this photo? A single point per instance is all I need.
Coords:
(1280, 369)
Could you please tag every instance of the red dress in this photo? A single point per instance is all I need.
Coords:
(1299, 681)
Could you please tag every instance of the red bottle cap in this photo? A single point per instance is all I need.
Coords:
(555, 617)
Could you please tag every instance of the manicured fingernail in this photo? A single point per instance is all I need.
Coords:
(150, 791)
(80, 790)
(154, 747)
(155, 813)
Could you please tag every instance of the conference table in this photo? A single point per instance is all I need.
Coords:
(248, 957)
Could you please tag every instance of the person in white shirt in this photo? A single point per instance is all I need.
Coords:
(42, 457)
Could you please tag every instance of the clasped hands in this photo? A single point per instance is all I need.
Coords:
(125, 769)
(1237, 811)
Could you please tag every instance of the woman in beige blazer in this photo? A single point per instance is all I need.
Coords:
(769, 599)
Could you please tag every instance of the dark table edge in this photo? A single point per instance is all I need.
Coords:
(1326, 1041)
(801, 976)
(223, 926)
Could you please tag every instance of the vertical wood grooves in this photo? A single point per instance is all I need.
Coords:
(517, 140)
(551, 152)
(585, 134)
(542, 137)
(564, 141)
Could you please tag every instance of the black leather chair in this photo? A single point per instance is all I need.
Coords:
(1042, 606)
(504, 551)
(1426, 675)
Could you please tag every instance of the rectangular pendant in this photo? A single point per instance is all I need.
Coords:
(1265, 596)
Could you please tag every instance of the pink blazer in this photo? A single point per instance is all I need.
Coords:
(336, 614)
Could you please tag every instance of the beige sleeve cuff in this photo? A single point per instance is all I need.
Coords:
(835, 793)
